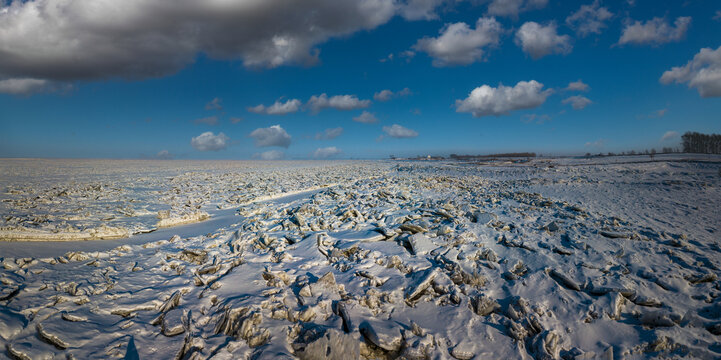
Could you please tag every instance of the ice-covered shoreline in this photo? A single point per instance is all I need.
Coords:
(427, 260)
(70, 200)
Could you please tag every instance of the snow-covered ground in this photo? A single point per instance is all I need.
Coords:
(554, 258)
(45, 200)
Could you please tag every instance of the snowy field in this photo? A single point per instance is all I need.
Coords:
(566, 258)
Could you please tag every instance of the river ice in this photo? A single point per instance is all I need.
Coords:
(552, 258)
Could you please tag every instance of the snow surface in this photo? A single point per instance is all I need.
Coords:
(554, 258)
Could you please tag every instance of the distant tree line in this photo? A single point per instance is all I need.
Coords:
(651, 153)
(491, 156)
(694, 142)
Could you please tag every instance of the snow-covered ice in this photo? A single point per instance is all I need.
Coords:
(551, 258)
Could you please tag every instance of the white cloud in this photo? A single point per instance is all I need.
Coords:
(717, 16)
(271, 136)
(703, 73)
(660, 113)
(512, 8)
(578, 102)
(148, 38)
(538, 40)
(235, 120)
(385, 95)
(458, 44)
(670, 135)
(210, 120)
(24, 86)
(577, 86)
(366, 118)
(387, 58)
(329, 134)
(420, 9)
(654, 114)
(486, 100)
(270, 155)
(326, 152)
(589, 19)
(215, 104)
(208, 141)
(655, 31)
(399, 132)
(538, 119)
(407, 54)
(164, 155)
(339, 102)
(278, 107)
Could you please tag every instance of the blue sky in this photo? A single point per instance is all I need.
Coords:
(114, 84)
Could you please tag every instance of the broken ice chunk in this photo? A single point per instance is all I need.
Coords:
(51, 338)
(384, 334)
(564, 280)
(419, 282)
(659, 318)
(173, 323)
(420, 244)
(332, 345)
(483, 217)
(483, 305)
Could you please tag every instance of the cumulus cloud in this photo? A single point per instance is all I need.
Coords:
(512, 8)
(270, 155)
(670, 135)
(703, 73)
(399, 132)
(385, 95)
(405, 92)
(271, 136)
(278, 107)
(339, 102)
(486, 100)
(420, 9)
(215, 104)
(24, 86)
(458, 44)
(578, 102)
(208, 141)
(329, 134)
(148, 38)
(366, 118)
(326, 152)
(655, 31)
(577, 86)
(538, 40)
(589, 19)
(164, 155)
(210, 120)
